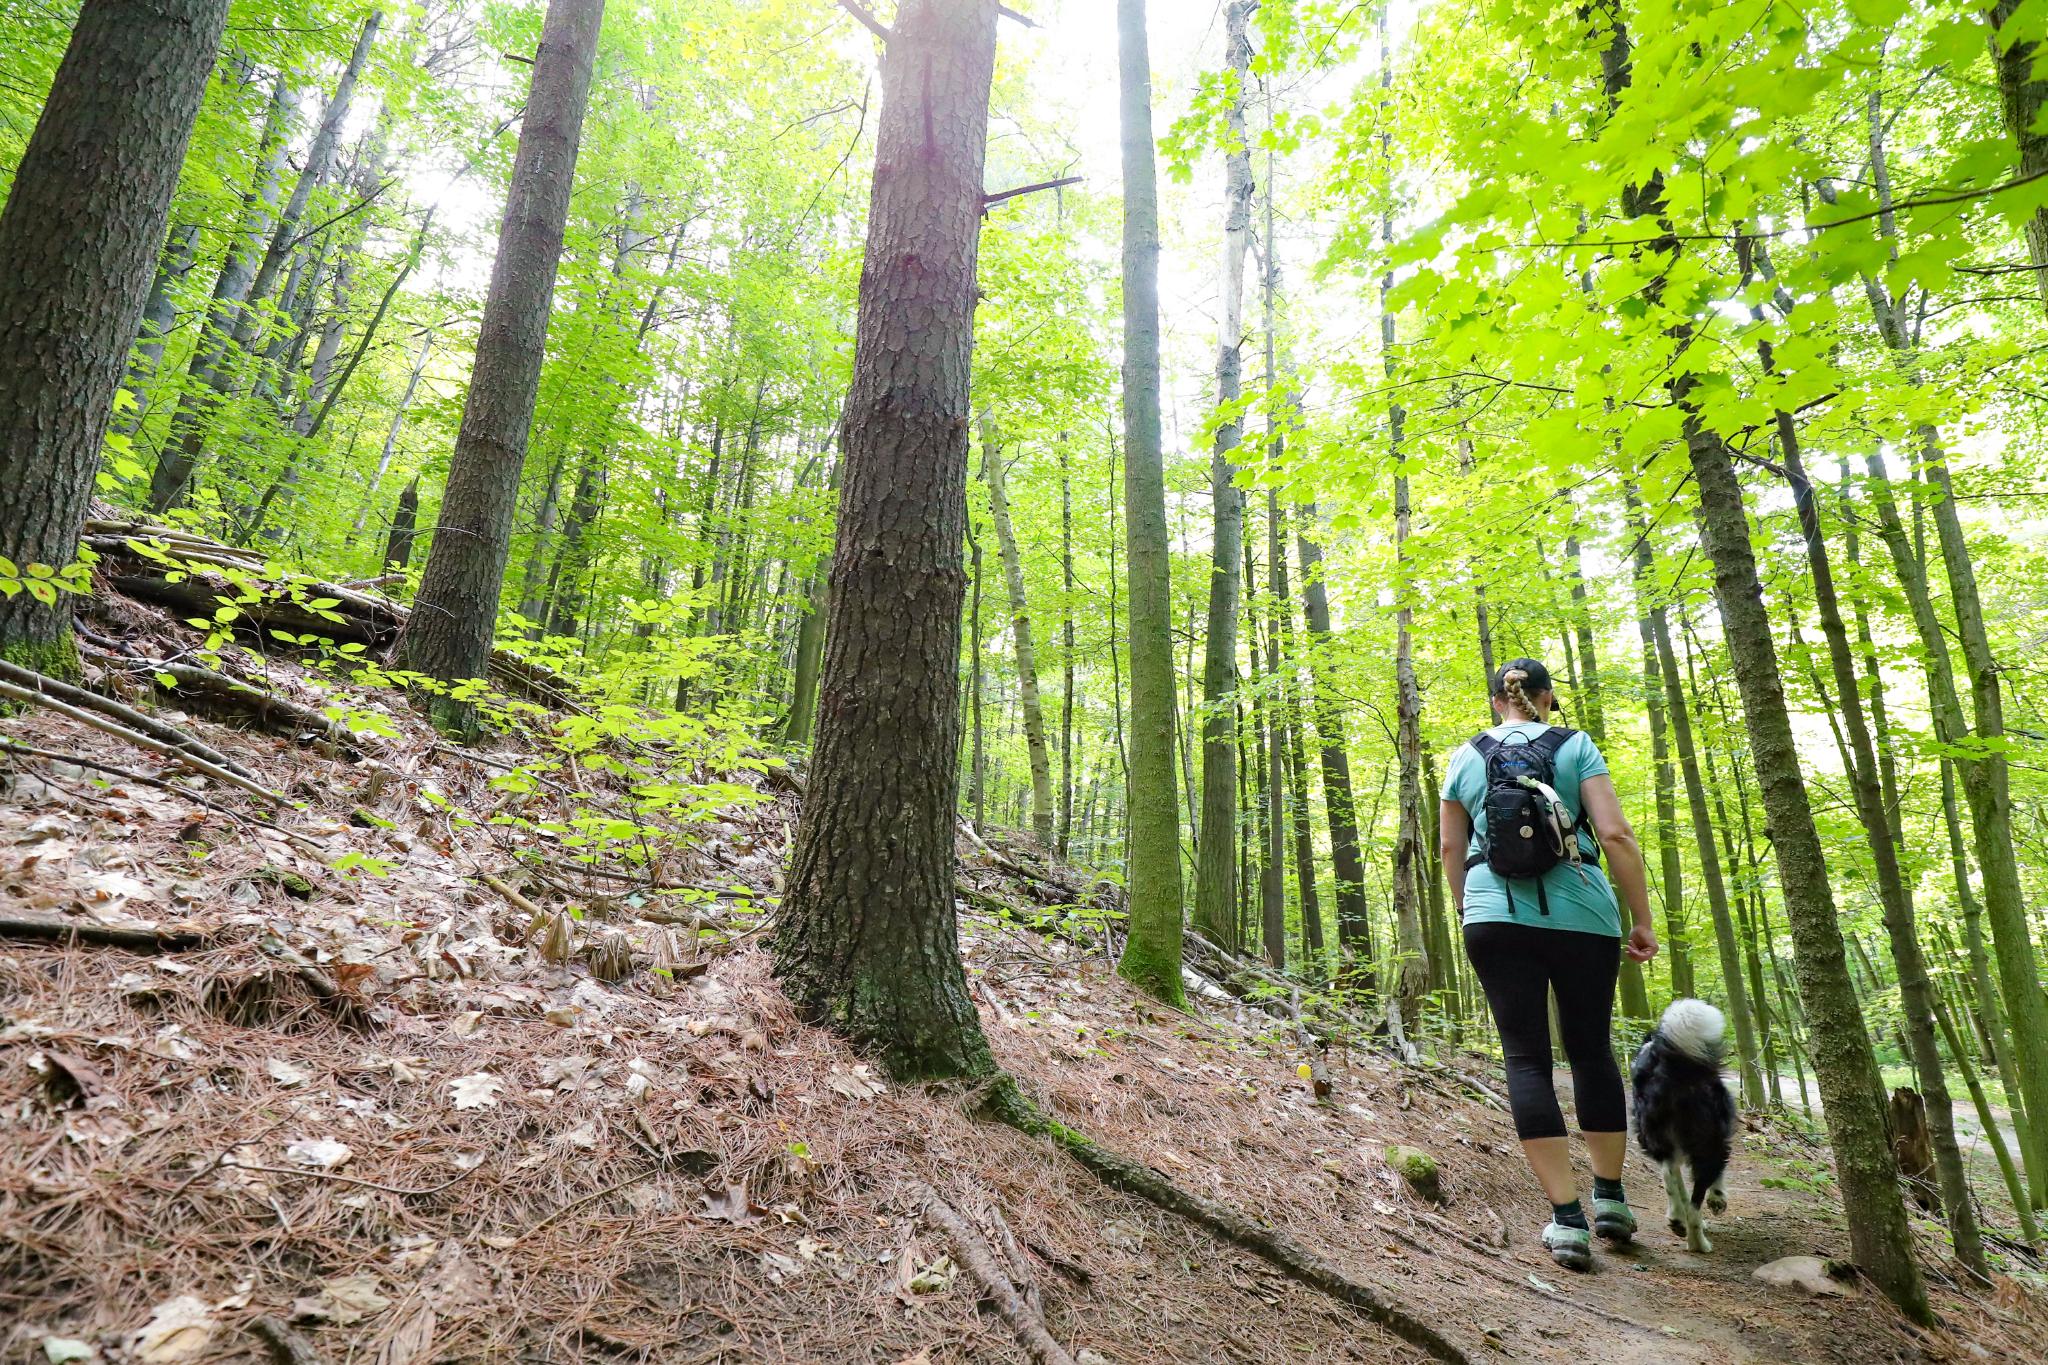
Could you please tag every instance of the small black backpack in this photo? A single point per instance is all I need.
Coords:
(1522, 842)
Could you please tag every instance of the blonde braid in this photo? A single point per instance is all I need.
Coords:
(1511, 681)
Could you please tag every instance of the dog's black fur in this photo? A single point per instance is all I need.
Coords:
(1684, 1114)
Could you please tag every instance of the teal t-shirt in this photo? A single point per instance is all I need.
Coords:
(1580, 898)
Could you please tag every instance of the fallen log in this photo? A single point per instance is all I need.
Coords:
(142, 741)
(272, 712)
(57, 929)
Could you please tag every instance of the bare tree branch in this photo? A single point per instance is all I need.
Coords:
(867, 18)
(989, 201)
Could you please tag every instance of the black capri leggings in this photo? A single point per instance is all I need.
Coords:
(1518, 965)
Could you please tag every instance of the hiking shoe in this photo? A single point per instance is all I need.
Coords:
(1614, 1220)
(1570, 1247)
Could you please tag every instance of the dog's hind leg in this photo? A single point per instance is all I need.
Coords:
(1717, 1197)
(1676, 1204)
(1706, 1189)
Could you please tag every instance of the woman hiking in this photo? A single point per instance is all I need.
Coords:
(1528, 813)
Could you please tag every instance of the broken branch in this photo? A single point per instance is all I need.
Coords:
(867, 19)
(989, 201)
(996, 1287)
(56, 929)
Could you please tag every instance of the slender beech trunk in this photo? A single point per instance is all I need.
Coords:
(1215, 867)
(1064, 832)
(1411, 952)
(79, 235)
(867, 941)
(2022, 93)
(448, 637)
(1678, 714)
(391, 434)
(159, 314)
(1635, 994)
(1983, 765)
(1670, 862)
(210, 375)
(1021, 634)
(319, 165)
(1152, 952)
(1878, 1231)
(977, 751)
(1916, 993)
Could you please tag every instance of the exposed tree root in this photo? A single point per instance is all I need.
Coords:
(172, 751)
(57, 929)
(135, 720)
(284, 1346)
(129, 775)
(1009, 1301)
(1003, 1101)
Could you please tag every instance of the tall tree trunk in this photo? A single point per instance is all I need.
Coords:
(158, 316)
(1152, 952)
(1066, 824)
(390, 450)
(1916, 993)
(1678, 712)
(448, 637)
(1411, 966)
(1215, 863)
(79, 235)
(1021, 635)
(2022, 94)
(1878, 1232)
(405, 519)
(318, 166)
(1288, 699)
(1984, 770)
(1671, 864)
(210, 375)
(866, 941)
(977, 753)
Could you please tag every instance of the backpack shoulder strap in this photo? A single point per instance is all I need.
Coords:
(1553, 740)
(1485, 743)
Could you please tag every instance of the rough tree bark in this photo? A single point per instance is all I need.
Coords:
(1151, 956)
(456, 612)
(2022, 95)
(867, 942)
(1021, 635)
(79, 235)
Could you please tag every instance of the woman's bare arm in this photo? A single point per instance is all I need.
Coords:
(1624, 859)
(1454, 836)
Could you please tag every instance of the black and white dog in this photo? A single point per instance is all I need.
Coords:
(1685, 1118)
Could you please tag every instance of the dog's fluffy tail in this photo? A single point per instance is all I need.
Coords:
(1695, 1028)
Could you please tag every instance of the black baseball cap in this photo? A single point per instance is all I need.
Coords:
(1538, 679)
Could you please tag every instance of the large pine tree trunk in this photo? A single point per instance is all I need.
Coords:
(1021, 634)
(455, 615)
(867, 941)
(79, 237)
(1151, 956)
(1215, 863)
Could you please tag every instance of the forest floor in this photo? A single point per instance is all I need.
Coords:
(354, 1117)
